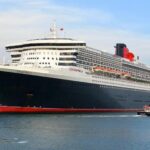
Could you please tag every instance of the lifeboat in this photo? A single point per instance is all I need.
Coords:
(126, 75)
(117, 73)
(98, 69)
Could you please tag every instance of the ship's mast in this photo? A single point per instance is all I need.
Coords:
(53, 30)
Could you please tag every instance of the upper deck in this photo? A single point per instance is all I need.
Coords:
(46, 43)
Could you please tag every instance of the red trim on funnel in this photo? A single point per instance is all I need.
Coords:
(125, 52)
(15, 109)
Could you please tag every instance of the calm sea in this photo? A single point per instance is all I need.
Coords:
(74, 132)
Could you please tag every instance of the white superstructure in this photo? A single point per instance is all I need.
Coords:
(50, 52)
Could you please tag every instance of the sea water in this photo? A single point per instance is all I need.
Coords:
(74, 132)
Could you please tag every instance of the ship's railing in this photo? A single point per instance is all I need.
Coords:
(103, 80)
(138, 65)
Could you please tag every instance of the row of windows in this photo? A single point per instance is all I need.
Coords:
(89, 52)
(66, 64)
(69, 53)
(139, 66)
(49, 58)
(46, 53)
(46, 63)
(28, 63)
(74, 59)
(15, 56)
(14, 61)
(31, 58)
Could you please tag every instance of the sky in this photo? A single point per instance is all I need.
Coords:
(100, 23)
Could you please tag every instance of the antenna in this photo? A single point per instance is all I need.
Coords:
(53, 30)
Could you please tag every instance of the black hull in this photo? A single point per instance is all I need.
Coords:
(29, 90)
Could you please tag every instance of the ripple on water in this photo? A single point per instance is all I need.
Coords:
(22, 142)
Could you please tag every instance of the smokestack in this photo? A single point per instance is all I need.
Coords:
(120, 49)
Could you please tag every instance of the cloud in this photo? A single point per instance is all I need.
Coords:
(32, 20)
(34, 16)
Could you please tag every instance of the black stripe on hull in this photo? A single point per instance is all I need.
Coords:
(28, 90)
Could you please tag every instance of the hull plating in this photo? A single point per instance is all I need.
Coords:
(29, 91)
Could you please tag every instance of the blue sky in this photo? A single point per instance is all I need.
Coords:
(101, 23)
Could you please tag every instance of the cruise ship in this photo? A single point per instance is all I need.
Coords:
(65, 75)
